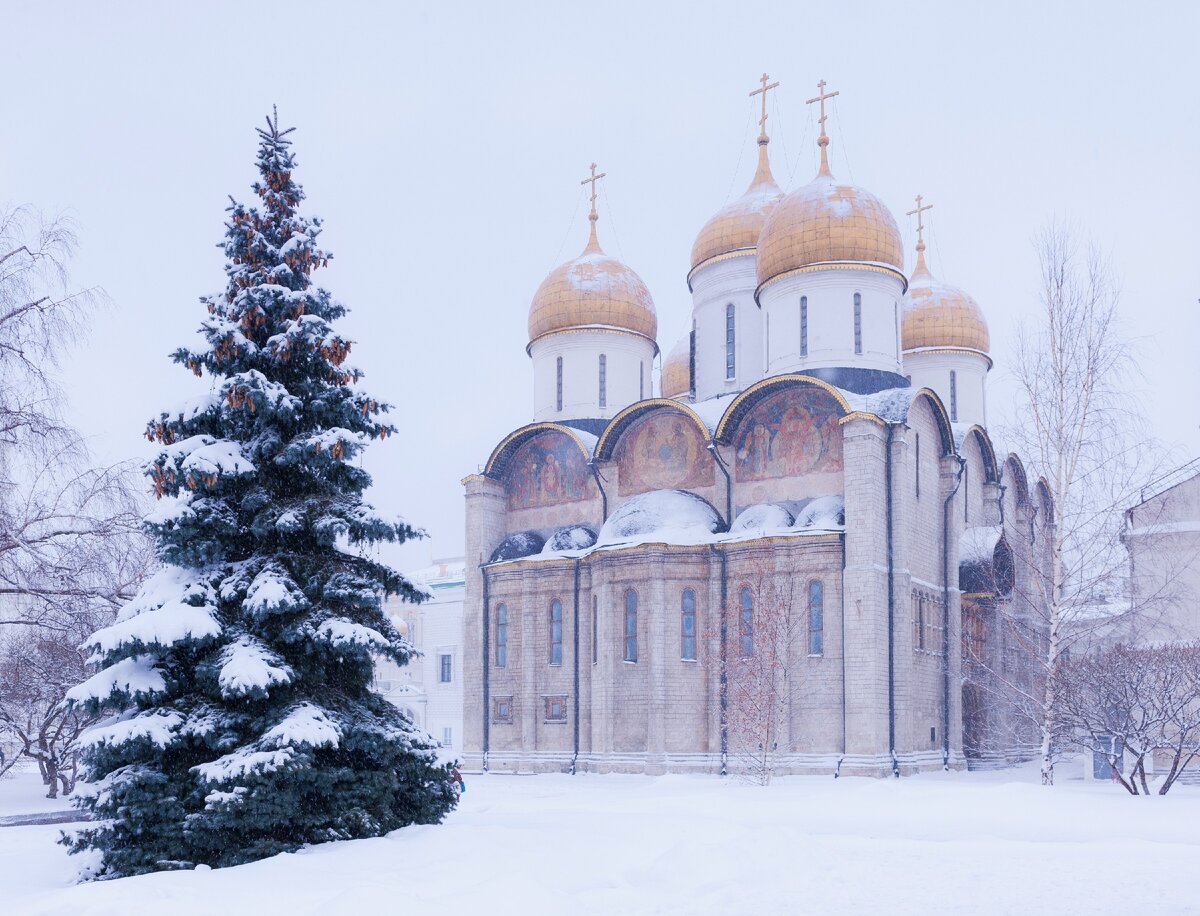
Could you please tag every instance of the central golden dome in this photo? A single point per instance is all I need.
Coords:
(939, 315)
(824, 221)
(677, 369)
(592, 290)
(737, 226)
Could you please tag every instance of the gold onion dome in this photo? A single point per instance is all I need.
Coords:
(939, 315)
(676, 369)
(736, 227)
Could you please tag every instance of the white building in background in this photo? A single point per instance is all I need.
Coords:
(430, 687)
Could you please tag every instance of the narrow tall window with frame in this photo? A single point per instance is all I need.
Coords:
(641, 381)
(816, 618)
(687, 626)
(556, 632)
(603, 380)
(917, 465)
(730, 365)
(804, 325)
(953, 396)
(558, 382)
(501, 636)
(747, 622)
(631, 646)
(858, 322)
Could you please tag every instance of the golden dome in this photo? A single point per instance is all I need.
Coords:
(939, 315)
(827, 221)
(677, 369)
(737, 226)
(592, 290)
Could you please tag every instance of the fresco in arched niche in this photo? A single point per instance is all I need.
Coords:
(547, 470)
(663, 451)
(792, 432)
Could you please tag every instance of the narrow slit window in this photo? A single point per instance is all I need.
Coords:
(631, 626)
(595, 630)
(804, 325)
(687, 627)
(917, 465)
(816, 618)
(603, 380)
(556, 632)
(747, 623)
(858, 322)
(953, 396)
(501, 636)
(692, 360)
(558, 382)
(641, 381)
(730, 366)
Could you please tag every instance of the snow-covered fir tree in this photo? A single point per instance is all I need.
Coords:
(241, 671)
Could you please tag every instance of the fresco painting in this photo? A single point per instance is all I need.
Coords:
(663, 451)
(790, 433)
(547, 470)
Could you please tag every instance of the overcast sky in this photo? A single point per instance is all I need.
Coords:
(443, 145)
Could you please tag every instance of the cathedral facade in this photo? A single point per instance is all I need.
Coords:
(808, 518)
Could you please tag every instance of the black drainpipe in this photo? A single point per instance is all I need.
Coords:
(723, 675)
(891, 618)
(842, 590)
(962, 463)
(603, 496)
(575, 627)
(487, 698)
(712, 447)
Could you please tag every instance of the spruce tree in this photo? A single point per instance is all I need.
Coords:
(240, 674)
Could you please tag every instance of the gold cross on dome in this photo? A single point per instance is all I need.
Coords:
(762, 122)
(920, 222)
(821, 96)
(592, 181)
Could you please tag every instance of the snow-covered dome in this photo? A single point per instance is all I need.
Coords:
(736, 227)
(518, 544)
(592, 290)
(570, 537)
(822, 512)
(762, 517)
(937, 314)
(677, 515)
(676, 369)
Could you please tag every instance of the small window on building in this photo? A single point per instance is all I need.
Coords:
(595, 630)
(501, 636)
(641, 381)
(445, 668)
(447, 737)
(603, 380)
(692, 360)
(804, 325)
(919, 612)
(556, 632)
(816, 618)
(555, 709)
(917, 465)
(747, 623)
(858, 322)
(687, 627)
(502, 710)
(631, 647)
(953, 396)
(558, 382)
(896, 321)
(730, 366)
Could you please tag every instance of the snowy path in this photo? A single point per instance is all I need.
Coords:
(960, 844)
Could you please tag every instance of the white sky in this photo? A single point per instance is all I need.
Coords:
(444, 144)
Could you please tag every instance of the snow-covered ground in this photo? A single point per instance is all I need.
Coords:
(957, 844)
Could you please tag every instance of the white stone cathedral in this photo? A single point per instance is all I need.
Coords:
(814, 490)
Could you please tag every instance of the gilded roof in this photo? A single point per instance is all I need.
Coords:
(592, 289)
(736, 227)
(677, 370)
(827, 220)
(939, 315)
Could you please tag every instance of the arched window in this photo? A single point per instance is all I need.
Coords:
(556, 632)
(630, 625)
(559, 382)
(816, 618)
(729, 341)
(501, 636)
(917, 465)
(804, 325)
(603, 380)
(747, 623)
(953, 396)
(687, 626)
(858, 322)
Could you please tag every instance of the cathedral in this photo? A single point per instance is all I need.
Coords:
(813, 484)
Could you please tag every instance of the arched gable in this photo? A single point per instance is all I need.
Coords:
(1045, 499)
(750, 398)
(658, 445)
(945, 431)
(1014, 470)
(785, 430)
(543, 464)
(991, 469)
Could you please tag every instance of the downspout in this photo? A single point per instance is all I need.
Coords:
(575, 653)
(712, 447)
(487, 698)
(722, 660)
(962, 463)
(603, 496)
(838, 772)
(891, 617)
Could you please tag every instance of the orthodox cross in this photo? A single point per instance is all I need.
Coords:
(762, 122)
(920, 223)
(592, 181)
(821, 96)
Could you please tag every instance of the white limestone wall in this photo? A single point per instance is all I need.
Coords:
(714, 287)
(830, 296)
(931, 368)
(629, 361)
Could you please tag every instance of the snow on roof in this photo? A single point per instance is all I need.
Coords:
(891, 404)
(978, 545)
(673, 516)
(762, 518)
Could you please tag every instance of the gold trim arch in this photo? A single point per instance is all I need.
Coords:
(607, 443)
(943, 418)
(747, 399)
(1019, 475)
(988, 451)
(497, 462)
